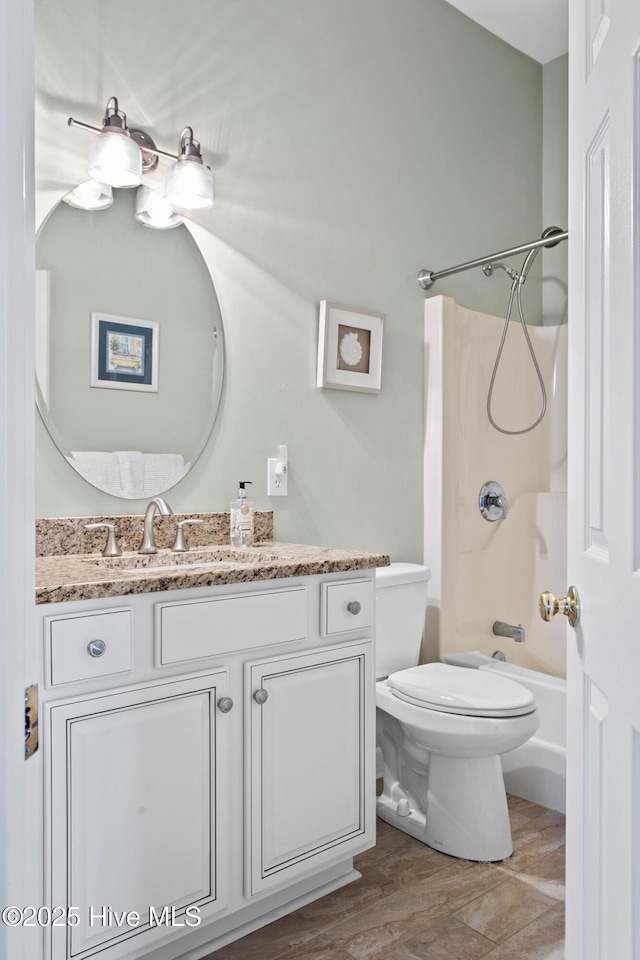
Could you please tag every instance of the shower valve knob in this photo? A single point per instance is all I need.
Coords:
(569, 606)
(492, 502)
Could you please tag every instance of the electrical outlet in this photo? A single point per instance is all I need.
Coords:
(277, 485)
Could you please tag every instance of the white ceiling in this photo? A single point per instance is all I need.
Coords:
(538, 28)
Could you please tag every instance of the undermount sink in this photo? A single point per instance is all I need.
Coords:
(172, 567)
(168, 561)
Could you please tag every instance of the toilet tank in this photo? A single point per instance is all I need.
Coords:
(401, 603)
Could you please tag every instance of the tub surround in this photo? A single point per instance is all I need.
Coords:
(70, 566)
(468, 557)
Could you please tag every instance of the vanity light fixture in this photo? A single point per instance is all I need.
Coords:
(115, 158)
(90, 195)
(189, 184)
(152, 210)
(120, 157)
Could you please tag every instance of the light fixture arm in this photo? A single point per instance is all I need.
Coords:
(87, 126)
(113, 116)
(154, 150)
(189, 148)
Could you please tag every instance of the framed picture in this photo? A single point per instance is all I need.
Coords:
(124, 353)
(349, 348)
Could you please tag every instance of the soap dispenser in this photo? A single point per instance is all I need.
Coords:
(242, 518)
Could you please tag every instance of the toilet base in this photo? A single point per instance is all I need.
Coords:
(464, 813)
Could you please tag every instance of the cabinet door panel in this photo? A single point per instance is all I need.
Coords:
(310, 770)
(134, 820)
(311, 742)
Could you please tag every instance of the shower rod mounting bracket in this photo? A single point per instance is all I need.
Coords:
(425, 279)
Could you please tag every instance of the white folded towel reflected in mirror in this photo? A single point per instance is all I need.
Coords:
(130, 474)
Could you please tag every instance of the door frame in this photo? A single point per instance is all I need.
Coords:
(17, 512)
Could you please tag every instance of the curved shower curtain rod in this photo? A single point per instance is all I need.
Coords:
(426, 278)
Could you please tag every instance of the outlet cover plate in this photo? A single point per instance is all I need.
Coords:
(277, 484)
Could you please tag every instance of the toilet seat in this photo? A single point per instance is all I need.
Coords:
(449, 689)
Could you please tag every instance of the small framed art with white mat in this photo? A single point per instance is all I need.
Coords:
(349, 348)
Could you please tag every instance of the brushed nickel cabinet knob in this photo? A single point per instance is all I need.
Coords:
(96, 648)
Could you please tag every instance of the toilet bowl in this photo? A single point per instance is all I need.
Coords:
(441, 730)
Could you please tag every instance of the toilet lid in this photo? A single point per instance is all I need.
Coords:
(475, 693)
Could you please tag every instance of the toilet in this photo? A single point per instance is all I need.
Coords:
(441, 729)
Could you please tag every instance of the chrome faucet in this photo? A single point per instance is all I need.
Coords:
(508, 630)
(157, 505)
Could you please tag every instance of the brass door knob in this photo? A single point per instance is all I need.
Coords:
(569, 606)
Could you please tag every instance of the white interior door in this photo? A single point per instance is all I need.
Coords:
(18, 801)
(603, 653)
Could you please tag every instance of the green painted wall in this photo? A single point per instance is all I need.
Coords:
(353, 142)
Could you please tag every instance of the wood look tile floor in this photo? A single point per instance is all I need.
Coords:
(414, 903)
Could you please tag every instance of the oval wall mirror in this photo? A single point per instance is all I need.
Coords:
(129, 347)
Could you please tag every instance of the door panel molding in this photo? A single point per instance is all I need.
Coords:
(635, 147)
(598, 22)
(596, 282)
(594, 779)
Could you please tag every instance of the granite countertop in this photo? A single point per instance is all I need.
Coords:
(90, 576)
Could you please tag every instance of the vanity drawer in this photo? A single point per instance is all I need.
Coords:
(346, 606)
(192, 630)
(88, 646)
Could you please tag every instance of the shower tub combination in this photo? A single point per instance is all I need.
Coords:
(483, 572)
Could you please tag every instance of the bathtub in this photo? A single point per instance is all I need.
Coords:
(537, 769)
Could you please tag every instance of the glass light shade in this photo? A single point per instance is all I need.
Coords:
(189, 185)
(90, 195)
(115, 159)
(152, 210)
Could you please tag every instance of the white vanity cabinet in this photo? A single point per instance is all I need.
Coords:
(209, 761)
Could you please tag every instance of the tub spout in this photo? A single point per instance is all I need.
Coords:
(502, 629)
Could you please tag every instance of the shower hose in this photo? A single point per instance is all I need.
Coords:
(516, 289)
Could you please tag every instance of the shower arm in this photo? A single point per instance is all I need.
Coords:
(426, 278)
